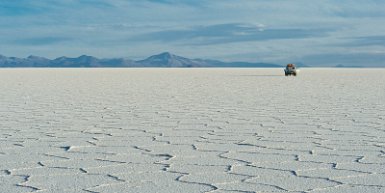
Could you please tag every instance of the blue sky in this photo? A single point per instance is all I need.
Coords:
(326, 32)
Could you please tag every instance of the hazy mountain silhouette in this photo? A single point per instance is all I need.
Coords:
(165, 59)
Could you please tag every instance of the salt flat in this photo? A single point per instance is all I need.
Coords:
(192, 130)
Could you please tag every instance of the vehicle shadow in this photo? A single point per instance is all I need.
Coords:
(261, 75)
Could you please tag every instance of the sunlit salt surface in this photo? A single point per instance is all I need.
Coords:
(192, 130)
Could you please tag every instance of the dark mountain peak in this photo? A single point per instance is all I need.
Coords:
(61, 58)
(166, 59)
(163, 56)
(33, 57)
(86, 57)
(82, 57)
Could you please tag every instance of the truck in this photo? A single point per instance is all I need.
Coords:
(290, 70)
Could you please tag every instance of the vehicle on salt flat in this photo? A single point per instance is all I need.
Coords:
(290, 70)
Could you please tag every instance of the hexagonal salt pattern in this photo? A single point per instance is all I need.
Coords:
(192, 130)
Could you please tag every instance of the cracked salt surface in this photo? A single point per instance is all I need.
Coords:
(192, 130)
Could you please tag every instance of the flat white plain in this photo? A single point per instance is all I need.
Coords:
(192, 130)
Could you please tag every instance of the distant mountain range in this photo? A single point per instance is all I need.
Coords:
(161, 60)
